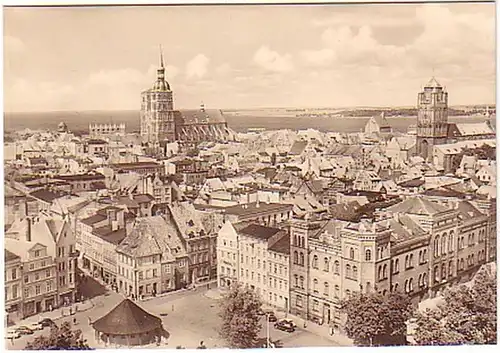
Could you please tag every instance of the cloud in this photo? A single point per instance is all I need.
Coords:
(321, 57)
(117, 77)
(197, 67)
(223, 69)
(13, 44)
(272, 60)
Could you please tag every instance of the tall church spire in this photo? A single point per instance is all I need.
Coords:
(161, 57)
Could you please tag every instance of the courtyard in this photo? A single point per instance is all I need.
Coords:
(189, 316)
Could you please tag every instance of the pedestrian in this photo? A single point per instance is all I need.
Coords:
(172, 307)
(12, 340)
(74, 321)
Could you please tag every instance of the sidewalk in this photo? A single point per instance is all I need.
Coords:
(57, 314)
(320, 330)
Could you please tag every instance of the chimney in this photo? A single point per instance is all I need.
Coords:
(28, 229)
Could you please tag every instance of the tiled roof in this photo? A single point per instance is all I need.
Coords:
(468, 211)
(93, 219)
(298, 147)
(259, 231)
(46, 195)
(413, 183)
(197, 116)
(9, 256)
(111, 236)
(153, 235)
(282, 245)
(127, 318)
(418, 206)
(254, 208)
(473, 129)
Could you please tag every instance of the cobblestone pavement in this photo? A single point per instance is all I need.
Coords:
(190, 317)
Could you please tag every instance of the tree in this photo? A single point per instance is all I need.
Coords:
(376, 319)
(468, 315)
(240, 317)
(60, 338)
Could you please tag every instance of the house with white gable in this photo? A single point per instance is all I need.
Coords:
(227, 255)
(488, 174)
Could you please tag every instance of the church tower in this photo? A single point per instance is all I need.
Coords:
(157, 110)
(432, 119)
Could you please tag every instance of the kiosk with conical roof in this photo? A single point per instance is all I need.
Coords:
(128, 325)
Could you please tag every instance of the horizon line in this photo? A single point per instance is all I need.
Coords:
(247, 108)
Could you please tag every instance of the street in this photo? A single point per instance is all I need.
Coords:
(189, 316)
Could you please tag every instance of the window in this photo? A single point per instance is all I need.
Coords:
(315, 285)
(14, 273)
(326, 264)
(348, 271)
(298, 301)
(355, 272)
(37, 276)
(32, 266)
(26, 292)
(337, 291)
(351, 253)
(37, 289)
(436, 274)
(336, 269)
(436, 246)
(347, 292)
(301, 282)
(451, 241)
(326, 289)
(450, 268)
(49, 286)
(385, 271)
(443, 243)
(37, 253)
(301, 259)
(26, 279)
(141, 275)
(315, 261)
(296, 277)
(368, 255)
(315, 305)
(396, 266)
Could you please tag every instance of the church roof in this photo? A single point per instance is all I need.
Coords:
(433, 83)
(197, 116)
(127, 318)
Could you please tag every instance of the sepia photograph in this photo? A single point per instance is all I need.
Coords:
(237, 176)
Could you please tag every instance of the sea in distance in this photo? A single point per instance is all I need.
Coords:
(79, 121)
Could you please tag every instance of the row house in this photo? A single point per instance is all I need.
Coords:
(263, 264)
(83, 182)
(142, 168)
(46, 248)
(198, 242)
(228, 265)
(99, 236)
(151, 259)
(13, 287)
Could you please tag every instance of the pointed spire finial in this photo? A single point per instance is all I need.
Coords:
(161, 57)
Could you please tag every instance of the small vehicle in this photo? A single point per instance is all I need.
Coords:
(283, 325)
(290, 321)
(24, 330)
(34, 326)
(12, 334)
(47, 323)
(272, 317)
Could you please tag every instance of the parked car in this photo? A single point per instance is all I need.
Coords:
(47, 322)
(35, 326)
(284, 325)
(24, 330)
(272, 317)
(12, 334)
(290, 321)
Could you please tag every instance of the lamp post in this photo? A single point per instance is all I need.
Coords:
(267, 322)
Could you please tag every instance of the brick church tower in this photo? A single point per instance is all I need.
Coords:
(157, 110)
(432, 120)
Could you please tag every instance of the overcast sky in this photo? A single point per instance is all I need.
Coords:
(240, 56)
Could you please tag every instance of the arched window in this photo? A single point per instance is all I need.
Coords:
(295, 257)
(410, 262)
(296, 240)
(462, 264)
(315, 285)
(450, 268)
(424, 280)
(351, 253)
(355, 272)
(368, 287)
(406, 286)
(425, 255)
(301, 282)
(407, 262)
(451, 241)
(326, 264)
(443, 271)
(301, 259)
(368, 255)
(410, 285)
(337, 291)
(436, 246)
(443, 243)
(472, 260)
(347, 292)
(348, 271)
(420, 257)
(380, 273)
(436, 274)
(296, 280)
(385, 271)
(396, 266)
(336, 267)
(326, 289)
(315, 261)
(395, 287)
